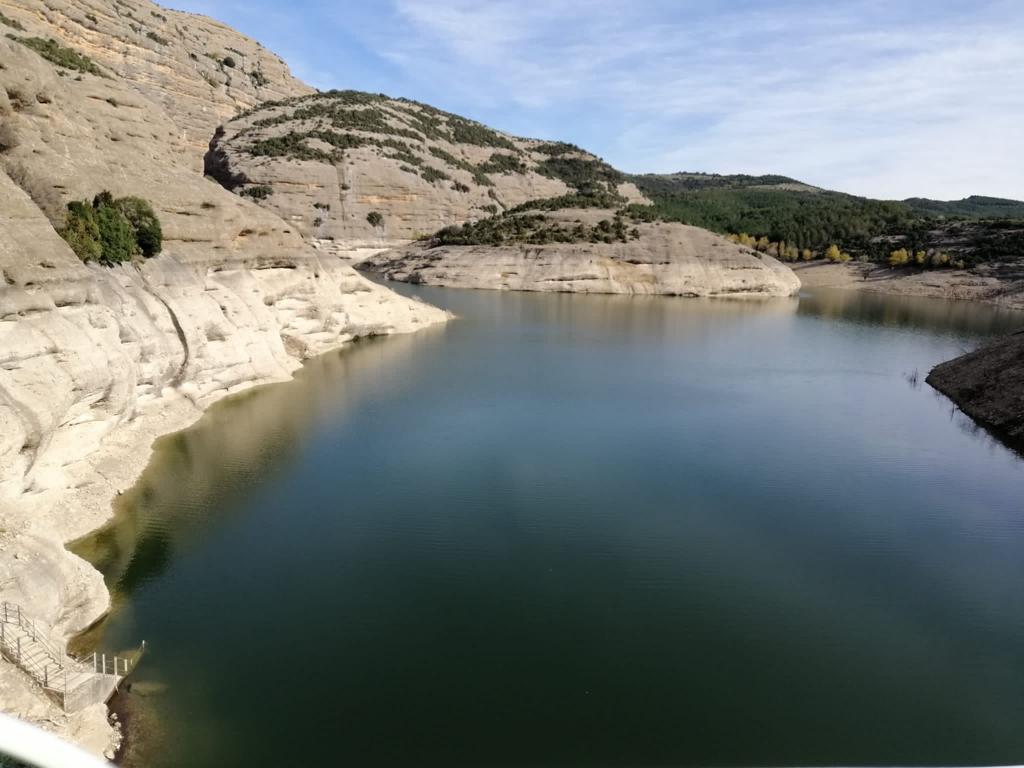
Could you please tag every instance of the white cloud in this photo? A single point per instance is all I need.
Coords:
(863, 96)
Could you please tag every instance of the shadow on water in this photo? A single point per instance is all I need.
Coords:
(201, 476)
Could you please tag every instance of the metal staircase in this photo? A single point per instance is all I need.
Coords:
(75, 683)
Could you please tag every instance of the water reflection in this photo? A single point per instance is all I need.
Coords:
(586, 530)
(200, 477)
(913, 312)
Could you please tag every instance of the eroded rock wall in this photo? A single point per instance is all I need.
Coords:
(175, 59)
(95, 362)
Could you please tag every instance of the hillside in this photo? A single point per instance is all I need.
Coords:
(973, 207)
(785, 211)
(586, 250)
(196, 69)
(352, 166)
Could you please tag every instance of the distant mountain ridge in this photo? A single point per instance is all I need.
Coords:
(975, 206)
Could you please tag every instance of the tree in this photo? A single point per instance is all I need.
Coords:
(117, 236)
(375, 218)
(82, 232)
(835, 255)
(112, 231)
(899, 258)
(148, 232)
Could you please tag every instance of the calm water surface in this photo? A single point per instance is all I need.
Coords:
(601, 531)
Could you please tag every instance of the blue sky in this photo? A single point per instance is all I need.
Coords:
(888, 99)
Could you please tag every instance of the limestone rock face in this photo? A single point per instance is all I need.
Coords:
(96, 362)
(664, 258)
(327, 162)
(198, 70)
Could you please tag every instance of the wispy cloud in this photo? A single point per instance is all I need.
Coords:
(880, 98)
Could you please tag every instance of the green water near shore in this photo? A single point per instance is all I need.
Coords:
(585, 530)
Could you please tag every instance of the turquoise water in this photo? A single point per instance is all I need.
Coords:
(589, 531)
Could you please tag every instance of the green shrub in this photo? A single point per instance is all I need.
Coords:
(82, 232)
(57, 54)
(148, 233)
(117, 236)
(157, 38)
(12, 23)
(374, 218)
(258, 79)
(556, 148)
(432, 174)
(257, 192)
(585, 175)
(229, 62)
(112, 231)
(503, 163)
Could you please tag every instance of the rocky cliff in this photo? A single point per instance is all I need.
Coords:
(197, 69)
(590, 251)
(96, 361)
(364, 168)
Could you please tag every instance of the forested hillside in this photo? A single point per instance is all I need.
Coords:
(797, 220)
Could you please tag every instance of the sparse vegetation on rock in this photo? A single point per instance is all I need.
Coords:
(258, 191)
(523, 226)
(12, 23)
(112, 231)
(374, 218)
(60, 55)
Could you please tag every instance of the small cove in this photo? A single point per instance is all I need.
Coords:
(587, 530)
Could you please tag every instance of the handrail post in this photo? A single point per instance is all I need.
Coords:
(19, 650)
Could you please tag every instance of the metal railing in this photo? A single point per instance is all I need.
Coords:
(27, 645)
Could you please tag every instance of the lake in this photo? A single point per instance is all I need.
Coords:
(586, 531)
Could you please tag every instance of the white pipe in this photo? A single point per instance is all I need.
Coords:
(39, 748)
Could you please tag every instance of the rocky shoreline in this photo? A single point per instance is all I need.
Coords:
(41, 572)
(988, 385)
(999, 284)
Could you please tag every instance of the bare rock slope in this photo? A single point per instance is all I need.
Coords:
(364, 168)
(591, 251)
(94, 361)
(197, 69)
(988, 385)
